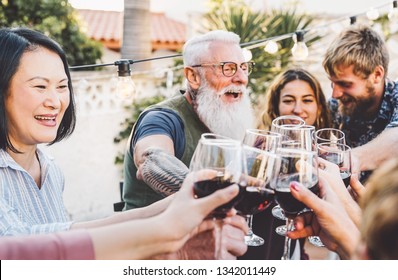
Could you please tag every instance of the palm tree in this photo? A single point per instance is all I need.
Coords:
(136, 32)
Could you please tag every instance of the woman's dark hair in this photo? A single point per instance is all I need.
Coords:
(13, 44)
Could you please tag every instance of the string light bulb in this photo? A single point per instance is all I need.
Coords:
(247, 54)
(125, 87)
(393, 17)
(372, 14)
(271, 47)
(393, 14)
(300, 50)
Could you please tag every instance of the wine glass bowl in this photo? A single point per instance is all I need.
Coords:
(339, 154)
(260, 173)
(286, 121)
(326, 135)
(223, 161)
(262, 139)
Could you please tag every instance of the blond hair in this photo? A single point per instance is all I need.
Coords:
(358, 46)
(379, 227)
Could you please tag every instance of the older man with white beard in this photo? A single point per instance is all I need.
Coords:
(165, 135)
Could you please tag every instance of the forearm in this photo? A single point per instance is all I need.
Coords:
(138, 213)
(140, 239)
(76, 245)
(372, 154)
(163, 172)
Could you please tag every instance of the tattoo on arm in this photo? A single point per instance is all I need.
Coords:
(163, 172)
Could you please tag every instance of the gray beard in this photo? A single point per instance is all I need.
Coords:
(230, 120)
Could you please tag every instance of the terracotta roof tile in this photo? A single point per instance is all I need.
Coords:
(107, 26)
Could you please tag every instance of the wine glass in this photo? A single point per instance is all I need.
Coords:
(222, 160)
(278, 125)
(262, 139)
(296, 165)
(267, 141)
(329, 137)
(260, 169)
(326, 135)
(295, 135)
(339, 154)
(214, 136)
(286, 121)
(298, 137)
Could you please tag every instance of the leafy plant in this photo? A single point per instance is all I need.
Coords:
(58, 20)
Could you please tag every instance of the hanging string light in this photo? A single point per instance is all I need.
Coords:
(125, 87)
(372, 14)
(393, 17)
(300, 50)
(271, 47)
(247, 54)
(393, 14)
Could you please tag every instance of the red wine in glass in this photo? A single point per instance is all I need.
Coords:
(254, 199)
(346, 176)
(207, 187)
(288, 203)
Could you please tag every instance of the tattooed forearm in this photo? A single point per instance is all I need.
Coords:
(163, 172)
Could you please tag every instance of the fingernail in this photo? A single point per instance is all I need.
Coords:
(295, 186)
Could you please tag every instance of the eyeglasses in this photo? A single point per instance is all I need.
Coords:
(229, 68)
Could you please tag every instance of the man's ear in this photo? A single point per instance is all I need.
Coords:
(193, 77)
(378, 74)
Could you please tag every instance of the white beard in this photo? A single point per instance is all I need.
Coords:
(230, 120)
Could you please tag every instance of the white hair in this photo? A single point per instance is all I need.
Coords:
(197, 47)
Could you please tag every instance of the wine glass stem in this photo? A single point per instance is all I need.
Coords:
(218, 238)
(286, 251)
(250, 223)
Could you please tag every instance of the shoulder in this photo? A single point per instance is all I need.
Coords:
(391, 91)
(161, 118)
